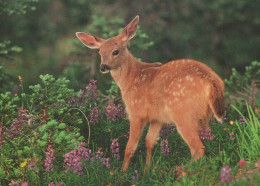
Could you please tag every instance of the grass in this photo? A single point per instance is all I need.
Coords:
(233, 140)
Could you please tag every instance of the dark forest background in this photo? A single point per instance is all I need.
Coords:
(38, 37)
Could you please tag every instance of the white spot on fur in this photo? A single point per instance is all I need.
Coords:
(182, 90)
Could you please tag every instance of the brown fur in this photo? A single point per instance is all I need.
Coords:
(184, 92)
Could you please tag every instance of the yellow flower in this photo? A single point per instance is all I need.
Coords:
(23, 164)
(231, 122)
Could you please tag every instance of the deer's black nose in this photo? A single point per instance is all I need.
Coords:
(104, 68)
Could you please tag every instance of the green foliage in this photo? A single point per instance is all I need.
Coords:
(54, 121)
(8, 105)
(6, 51)
(241, 88)
(11, 7)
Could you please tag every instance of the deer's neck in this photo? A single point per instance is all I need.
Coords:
(126, 73)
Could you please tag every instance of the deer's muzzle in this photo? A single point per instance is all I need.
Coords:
(104, 68)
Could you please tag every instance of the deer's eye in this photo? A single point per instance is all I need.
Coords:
(115, 52)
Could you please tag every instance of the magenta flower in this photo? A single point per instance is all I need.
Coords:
(135, 176)
(15, 183)
(92, 91)
(114, 147)
(18, 123)
(166, 130)
(25, 184)
(225, 175)
(113, 111)
(73, 159)
(242, 163)
(94, 114)
(49, 159)
(205, 134)
(165, 147)
(1, 138)
(105, 162)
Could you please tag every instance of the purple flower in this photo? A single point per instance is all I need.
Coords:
(165, 147)
(15, 183)
(225, 175)
(94, 114)
(1, 138)
(127, 135)
(242, 120)
(166, 130)
(205, 134)
(51, 183)
(105, 162)
(18, 123)
(113, 111)
(31, 165)
(73, 159)
(25, 184)
(135, 176)
(49, 159)
(114, 147)
(92, 91)
(231, 136)
(99, 153)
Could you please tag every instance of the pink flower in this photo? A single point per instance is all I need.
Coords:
(225, 175)
(242, 163)
(165, 147)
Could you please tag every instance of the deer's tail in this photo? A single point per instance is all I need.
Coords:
(216, 99)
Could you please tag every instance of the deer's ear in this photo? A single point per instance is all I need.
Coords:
(90, 41)
(130, 30)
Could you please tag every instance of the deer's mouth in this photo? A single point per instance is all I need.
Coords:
(104, 68)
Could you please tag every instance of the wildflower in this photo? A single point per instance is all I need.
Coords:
(18, 123)
(135, 176)
(165, 147)
(242, 163)
(51, 183)
(99, 153)
(82, 151)
(225, 175)
(94, 114)
(20, 78)
(231, 122)
(242, 121)
(73, 161)
(31, 165)
(23, 164)
(25, 184)
(166, 130)
(179, 170)
(126, 135)
(113, 111)
(231, 136)
(1, 138)
(92, 91)
(105, 161)
(115, 148)
(49, 159)
(205, 134)
(15, 183)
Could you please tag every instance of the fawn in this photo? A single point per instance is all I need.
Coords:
(184, 92)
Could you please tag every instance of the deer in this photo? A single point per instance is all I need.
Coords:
(183, 92)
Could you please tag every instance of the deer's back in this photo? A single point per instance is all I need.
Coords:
(164, 92)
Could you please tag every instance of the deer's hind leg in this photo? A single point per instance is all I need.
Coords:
(188, 129)
(151, 139)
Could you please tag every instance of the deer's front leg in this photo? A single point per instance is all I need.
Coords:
(136, 130)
